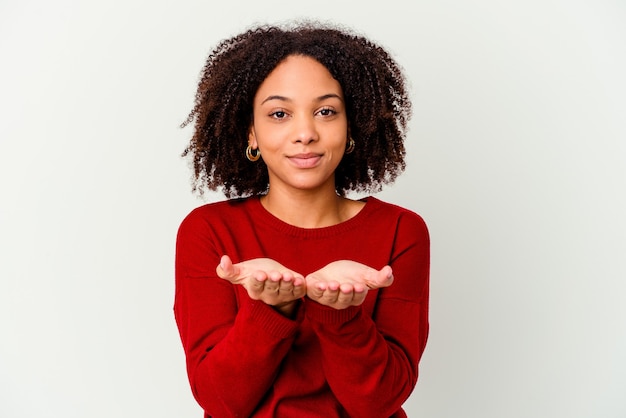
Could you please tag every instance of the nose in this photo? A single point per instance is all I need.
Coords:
(305, 130)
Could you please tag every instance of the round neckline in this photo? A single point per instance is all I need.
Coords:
(272, 221)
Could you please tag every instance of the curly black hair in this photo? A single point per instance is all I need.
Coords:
(377, 106)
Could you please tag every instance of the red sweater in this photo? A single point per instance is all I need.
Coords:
(244, 359)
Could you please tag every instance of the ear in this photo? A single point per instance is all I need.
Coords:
(252, 137)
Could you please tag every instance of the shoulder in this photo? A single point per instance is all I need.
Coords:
(405, 225)
(399, 214)
(216, 212)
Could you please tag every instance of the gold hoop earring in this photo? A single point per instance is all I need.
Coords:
(351, 146)
(252, 156)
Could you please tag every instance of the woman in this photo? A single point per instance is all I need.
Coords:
(293, 300)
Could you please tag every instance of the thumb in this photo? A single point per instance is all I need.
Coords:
(226, 269)
(314, 288)
(383, 278)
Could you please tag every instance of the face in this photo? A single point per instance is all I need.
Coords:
(300, 125)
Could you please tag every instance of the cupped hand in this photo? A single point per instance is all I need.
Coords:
(264, 279)
(345, 283)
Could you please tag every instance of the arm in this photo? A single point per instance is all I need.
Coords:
(371, 364)
(233, 349)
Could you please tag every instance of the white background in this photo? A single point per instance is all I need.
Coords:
(516, 159)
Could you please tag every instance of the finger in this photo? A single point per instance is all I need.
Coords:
(288, 277)
(382, 278)
(299, 291)
(333, 285)
(222, 267)
(260, 276)
(358, 298)
(330, 295)
(314, 289)
(358, 287)
(271, 285)
(256, 284)
(285, 287)
(387, 274)
(275, 276)
(345, 295)
(346, 288)
(298, 280)
(226, 269)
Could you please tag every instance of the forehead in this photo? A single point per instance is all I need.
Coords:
(299, 75)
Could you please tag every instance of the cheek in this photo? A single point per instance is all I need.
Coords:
(273, 137)
(341, 141)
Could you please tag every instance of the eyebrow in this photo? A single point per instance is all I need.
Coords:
(287, 99)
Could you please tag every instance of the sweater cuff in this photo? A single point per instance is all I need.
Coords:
(326, 315)
(259, 314)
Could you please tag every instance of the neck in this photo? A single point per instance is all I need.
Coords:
(307, 210)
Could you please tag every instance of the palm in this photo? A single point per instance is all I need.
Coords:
(264, 279)
(345, 283)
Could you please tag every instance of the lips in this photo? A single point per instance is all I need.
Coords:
(307, 160)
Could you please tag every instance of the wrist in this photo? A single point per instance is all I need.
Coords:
(287, 309)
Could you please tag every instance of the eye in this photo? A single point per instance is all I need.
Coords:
(278, 114)
(327, 111)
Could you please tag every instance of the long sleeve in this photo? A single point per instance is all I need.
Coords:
(233, 345)
(245, 359)
(371, 363)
